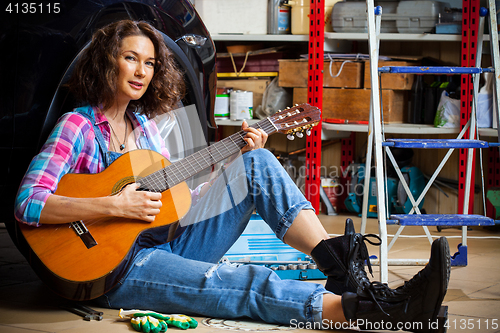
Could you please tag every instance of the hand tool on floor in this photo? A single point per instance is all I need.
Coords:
(83, 311)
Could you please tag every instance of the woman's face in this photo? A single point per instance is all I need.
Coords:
(136, 62)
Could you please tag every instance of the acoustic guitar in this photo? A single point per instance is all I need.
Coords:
(84, 259)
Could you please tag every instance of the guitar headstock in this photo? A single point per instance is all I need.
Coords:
(296, 120)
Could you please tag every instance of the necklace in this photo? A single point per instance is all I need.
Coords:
(123, 145)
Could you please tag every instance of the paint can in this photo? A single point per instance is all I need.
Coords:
(221, 108)
(284, 20)
(241, 105)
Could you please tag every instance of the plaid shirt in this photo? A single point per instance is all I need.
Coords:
(72, 148)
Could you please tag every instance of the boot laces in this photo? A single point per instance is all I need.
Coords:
(358, 255)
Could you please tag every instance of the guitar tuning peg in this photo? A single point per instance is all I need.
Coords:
(290, 137)
(299, 135)
(308, 132)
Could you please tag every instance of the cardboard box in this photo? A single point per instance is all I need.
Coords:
(354, 104)
(257, 86)
(293, 73)
(391, 81)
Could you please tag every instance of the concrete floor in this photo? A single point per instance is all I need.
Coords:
(473, 297)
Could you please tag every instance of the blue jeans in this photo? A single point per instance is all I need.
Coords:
(184, 276)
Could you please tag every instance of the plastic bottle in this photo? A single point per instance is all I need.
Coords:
(431, 98)
(416, 101)
(453, 87)
(278, 17)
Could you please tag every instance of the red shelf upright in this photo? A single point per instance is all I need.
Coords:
(315, 98)
(470, 22)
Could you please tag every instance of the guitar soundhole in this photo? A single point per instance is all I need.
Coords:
(124, 182)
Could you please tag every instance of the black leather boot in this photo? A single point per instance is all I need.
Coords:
(412, 307)
(343, 260)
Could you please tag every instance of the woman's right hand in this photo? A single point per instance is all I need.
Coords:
(142, 205)
(129, 203)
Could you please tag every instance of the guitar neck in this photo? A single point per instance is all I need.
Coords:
(186, 168)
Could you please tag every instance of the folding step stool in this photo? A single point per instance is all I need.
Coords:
(376, 139)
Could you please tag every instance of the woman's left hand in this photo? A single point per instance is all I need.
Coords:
(255, 138)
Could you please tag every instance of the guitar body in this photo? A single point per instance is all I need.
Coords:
(68, 265)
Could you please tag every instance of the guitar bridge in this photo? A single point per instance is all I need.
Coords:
(84, 234)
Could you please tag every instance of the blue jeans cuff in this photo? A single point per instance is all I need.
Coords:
(289, 217)
(314, 307)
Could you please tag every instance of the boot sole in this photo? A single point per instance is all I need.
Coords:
(444, 261)
(445, 272)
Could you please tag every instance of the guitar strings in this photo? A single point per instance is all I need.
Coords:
(159, 181)
(156, 180)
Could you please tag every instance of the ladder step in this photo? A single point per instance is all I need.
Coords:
(442, 219)
(433, 70)
(435, 143)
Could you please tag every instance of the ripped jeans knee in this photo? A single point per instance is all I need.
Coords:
(215, 268)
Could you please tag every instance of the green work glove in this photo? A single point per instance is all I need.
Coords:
(181, 321)
(141, 320)
(148, 324)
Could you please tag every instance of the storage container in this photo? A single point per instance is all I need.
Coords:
(300, 16)
(404, 16)
(293, 73)
(351, 17)
(354, 104)
(240, 105)
(234, 16)
(221, 108)
(416, 17)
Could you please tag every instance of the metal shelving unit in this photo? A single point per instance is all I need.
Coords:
(229, 122)
(347, 145)
(396, 37)
(261, 38)
(342, 36)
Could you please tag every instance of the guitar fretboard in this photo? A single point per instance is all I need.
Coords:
(184, 169)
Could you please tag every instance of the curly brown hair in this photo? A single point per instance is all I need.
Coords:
(94, 79)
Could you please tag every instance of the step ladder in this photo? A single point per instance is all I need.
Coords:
(378, 146)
